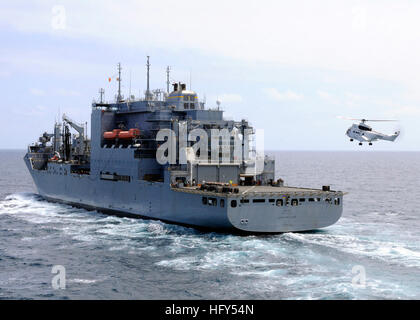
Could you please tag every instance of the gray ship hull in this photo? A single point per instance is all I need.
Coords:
(252, 210)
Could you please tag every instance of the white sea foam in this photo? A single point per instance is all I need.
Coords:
(391, 252)
(181, 263)
(83, 281)
(156, 228)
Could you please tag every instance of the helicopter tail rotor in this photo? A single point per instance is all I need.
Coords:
(399, 133)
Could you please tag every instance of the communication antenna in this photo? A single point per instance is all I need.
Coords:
(129, 91)
(168, 70)
(101, 92)
(148, 87)
(119, 83)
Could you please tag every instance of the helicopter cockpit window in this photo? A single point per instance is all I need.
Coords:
(365, 128)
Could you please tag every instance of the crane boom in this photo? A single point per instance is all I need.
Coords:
(81, 144)
(80, 129)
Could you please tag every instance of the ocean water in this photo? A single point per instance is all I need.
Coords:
(106, 257)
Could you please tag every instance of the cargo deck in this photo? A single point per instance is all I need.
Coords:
(263, 191)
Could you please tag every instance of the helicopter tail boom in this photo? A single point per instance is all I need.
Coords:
(391, 137)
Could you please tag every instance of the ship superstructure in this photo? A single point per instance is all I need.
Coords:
(168, 157)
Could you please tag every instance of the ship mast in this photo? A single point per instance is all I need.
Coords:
(148, 87)
(168, 70)
(101, 92)
(119, 97)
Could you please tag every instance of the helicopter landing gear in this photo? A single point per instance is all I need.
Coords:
(360, 143)
(351, 140)
(370, 143)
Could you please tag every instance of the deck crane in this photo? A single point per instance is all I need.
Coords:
(81, 138)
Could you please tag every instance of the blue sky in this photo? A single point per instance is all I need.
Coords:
(290, 67)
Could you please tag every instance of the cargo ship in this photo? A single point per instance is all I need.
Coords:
(166, 156)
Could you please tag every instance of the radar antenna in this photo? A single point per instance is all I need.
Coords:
(168, 70)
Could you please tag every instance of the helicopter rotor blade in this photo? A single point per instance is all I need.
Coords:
(380, 120)
(347, 118)
(365, 120)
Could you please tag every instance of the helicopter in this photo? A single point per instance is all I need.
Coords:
(364, 133)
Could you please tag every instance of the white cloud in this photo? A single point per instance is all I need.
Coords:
(43, 62)
(325, 95)
(404, 111)
(59, 92)
(37, 92)
(288, 95)
(4, 74)
(229, 98)
(31, 111)
(348, 99)
(353, 96)
(41, 108)
(68, 93)
(353, 99)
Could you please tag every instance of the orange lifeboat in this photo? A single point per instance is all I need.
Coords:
(130, 134)
(112, 134)
(118, 134)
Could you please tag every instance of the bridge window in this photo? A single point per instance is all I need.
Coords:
(244, 200)
(337, 201)
(212, 202)
(279, 203)
(271, 200)
(295, 202)
(302, 200)
(311, 199)
(222, 203)
(258, 200)
(204, 200)
(233, 203)
(186, 105)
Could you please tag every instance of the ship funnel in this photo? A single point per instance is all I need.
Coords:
(175, 86)
(183, 86)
